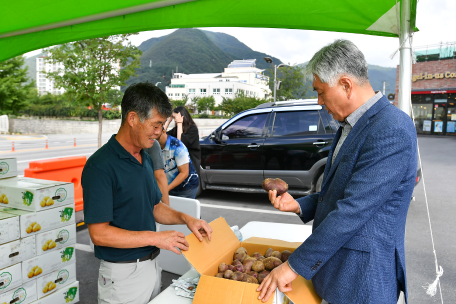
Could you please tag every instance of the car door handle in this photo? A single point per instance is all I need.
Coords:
(318, 143)
(253, 146)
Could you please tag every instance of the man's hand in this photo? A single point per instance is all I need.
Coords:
(281, 277)
(284, 202)
(170, 239)
(199, 228)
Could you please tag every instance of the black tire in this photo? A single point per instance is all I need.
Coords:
(319, 183)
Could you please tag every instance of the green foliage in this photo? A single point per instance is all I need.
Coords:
(294, 85)
(68, 111)
(14, 91)
(114, 97)
(205, 104)
(239, 103)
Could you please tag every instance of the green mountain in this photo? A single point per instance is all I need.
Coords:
(145, 45)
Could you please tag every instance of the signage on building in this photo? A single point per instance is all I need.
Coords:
(433, 76)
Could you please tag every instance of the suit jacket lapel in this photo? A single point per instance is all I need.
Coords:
(331, 152)
(360, 125)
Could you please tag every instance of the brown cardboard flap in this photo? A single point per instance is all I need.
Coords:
(204, 255)
(212, 290)
(303, 292)
(256, 244)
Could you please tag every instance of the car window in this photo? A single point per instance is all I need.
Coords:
(246, 127)
(296, 123)
(333, 124)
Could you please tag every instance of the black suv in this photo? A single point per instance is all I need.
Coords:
(289, 140)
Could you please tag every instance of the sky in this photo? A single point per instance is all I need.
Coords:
(435, 20)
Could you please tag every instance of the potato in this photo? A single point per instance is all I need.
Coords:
(5, 200)
(276, 254)
(240, 256)
(38, 271)
(52, 286)
(271, 263)
(49, 283)
(36, 228)
(28, 229)
(262, 275)
(251, 279)
(268, 253)
(230, 267)
(48, 242)
(261, 258)
(236, 262)
(50, 202)
(256, 255)
(219, 275)
(45, 289)
(239, 268)
(222, 268)
(248, 262)
(285, 255)
(228, 274)
(31, 274)
(45, 247)
(241, 249)
(34, 268)
(253, 274)
(258, 266)
(275, 184)
(43, 204)
(237, 276)
(32, 224)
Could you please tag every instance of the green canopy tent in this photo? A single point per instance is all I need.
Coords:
(28, 25)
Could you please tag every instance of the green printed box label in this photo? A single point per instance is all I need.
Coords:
(65, 214)
(27, 198)
(71, 294)
(6, 278)
(4, 168)
(67, 254)
(63, 276)
(64, 235)
(60, 194)
(19, 294)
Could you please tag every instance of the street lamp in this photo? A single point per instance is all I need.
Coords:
(269, 60)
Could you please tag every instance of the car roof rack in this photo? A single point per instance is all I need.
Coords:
(313, 101)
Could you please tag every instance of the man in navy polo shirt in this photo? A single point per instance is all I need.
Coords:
(122, 202)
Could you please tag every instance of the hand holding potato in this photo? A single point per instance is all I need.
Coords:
(280, 277)
(170, 239)
(284, 202)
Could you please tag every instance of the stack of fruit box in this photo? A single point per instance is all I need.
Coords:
(37, 237)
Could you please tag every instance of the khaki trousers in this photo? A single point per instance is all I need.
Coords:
(128, 283)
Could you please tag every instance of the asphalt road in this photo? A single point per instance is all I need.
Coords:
(439, 169)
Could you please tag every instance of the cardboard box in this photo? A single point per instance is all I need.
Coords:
(207, 255)
(56, 280)
(8, 167)
(35, 194)
(24, 294)
(55, 239)
(10, 277)
(68, 294)
(17, 251)
(47, 263)
(33, 223)
(9, 227)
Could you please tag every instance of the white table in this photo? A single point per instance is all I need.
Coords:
(284, 232)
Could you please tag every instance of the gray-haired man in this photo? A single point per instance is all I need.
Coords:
(122, 203)
(356, 251)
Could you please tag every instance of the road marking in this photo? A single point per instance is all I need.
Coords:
(83, 247)
(16, 138)
(248, 209)
(29, 160)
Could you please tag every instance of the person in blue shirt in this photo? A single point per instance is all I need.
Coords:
(182, 177)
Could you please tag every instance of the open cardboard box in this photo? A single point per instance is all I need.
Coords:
(205, 257)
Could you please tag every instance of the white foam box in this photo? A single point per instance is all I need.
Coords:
(68, 294)
(9, 227)
(32, 223)
(43, 264)
(10, 277)
(17, 251)
(55, 239)
(55, 280)
(8, 167)
(35, 194)
(24, 294)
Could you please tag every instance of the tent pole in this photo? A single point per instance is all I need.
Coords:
(405, 65)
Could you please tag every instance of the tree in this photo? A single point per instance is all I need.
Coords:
(294, 84)
(179, 102)
(14, 90)
(92, 68)
(206, 104)
(240, 102)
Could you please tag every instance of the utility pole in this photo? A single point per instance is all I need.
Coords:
(269, 60)
(384, 87)
(150, 63)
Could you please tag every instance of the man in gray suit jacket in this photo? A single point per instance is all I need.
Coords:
(356, 251)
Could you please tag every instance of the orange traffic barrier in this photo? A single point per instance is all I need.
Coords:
(65, 169)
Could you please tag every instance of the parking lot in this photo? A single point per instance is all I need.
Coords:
(439, 170)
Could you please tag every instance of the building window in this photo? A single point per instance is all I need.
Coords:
(191, 91)
(216, 91)
(203, 91)
(170, 94)
(177, 94)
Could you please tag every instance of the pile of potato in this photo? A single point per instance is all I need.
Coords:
(252, 269)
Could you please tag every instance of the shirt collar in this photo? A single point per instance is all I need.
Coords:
(168, 143)
(353, 118)
(117, 147)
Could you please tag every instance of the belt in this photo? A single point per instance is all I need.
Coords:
(150, 256)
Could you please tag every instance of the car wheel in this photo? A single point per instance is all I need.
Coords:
(319, 183)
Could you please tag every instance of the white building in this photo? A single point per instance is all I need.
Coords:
(240, 75)
(43, 84)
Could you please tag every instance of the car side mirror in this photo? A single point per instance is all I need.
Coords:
(215, 136)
